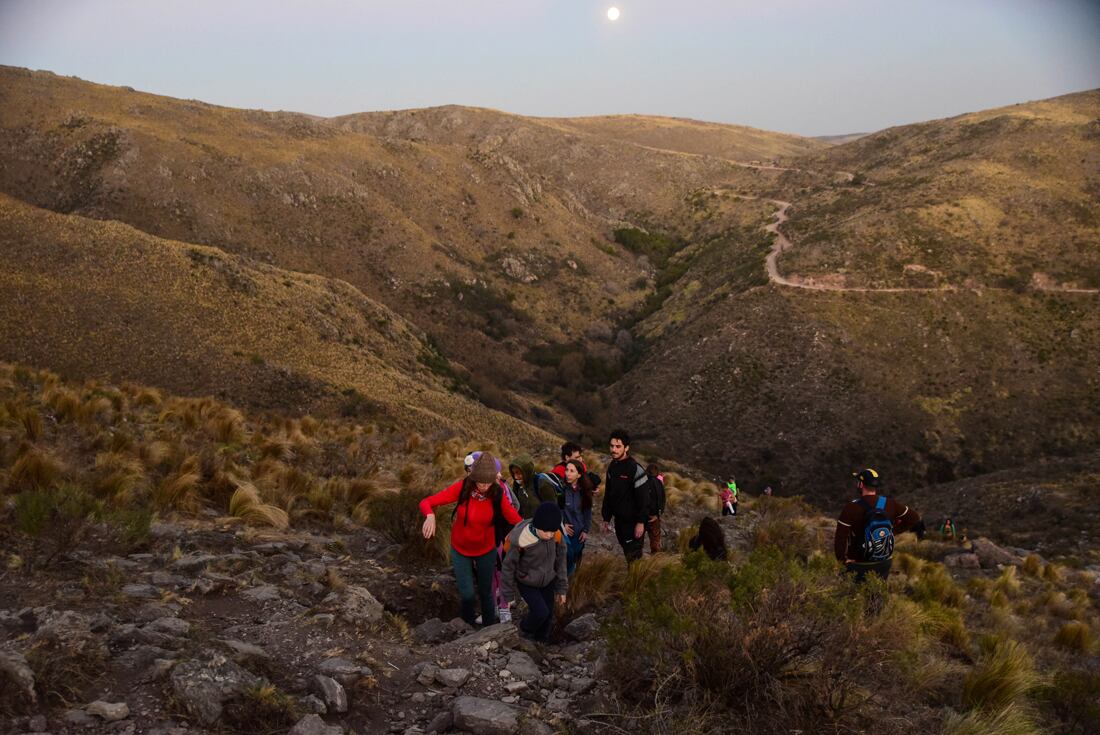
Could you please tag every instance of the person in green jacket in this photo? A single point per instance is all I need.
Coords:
(522, 470)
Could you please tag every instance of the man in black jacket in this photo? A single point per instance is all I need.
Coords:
(626, 497)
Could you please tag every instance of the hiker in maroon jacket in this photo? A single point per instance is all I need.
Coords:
(865, 531)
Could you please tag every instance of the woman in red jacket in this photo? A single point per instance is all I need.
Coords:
(481, 516)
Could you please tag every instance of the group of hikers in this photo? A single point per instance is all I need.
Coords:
(523, 535)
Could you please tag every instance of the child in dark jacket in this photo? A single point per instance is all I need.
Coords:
(535, 568)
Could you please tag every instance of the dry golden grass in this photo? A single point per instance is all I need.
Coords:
(596, 580)
(1012, 720)
(247, 505)
(1003, 677)
(34, 469)
(1074, 636)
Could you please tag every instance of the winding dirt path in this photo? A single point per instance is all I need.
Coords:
(783, 243)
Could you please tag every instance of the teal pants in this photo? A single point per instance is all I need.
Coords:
(474, 576)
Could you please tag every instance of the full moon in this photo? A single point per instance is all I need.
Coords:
(612, 13)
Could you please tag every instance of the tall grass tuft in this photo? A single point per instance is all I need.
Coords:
(247, 505)
(1011, 720)
(597, 579)
(1074, 636)
(1003, 677)
(34, 469)
(180, 490)
(1033, 565)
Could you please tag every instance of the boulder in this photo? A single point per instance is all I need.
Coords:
(442, 722)
(204, 685)
(962, 561)
(453, 678)
(193, 563)
(108, 711)
(341, 669)
(426, 675)
(140, 592)
(992, 555)
(314, 725)
(263, 593)
(355, 605)
(503, 633)
(523, 667)
(485, 716)
(243, 653)
(584, 628)
(169, 626)
(20, 677)
(331, 693)
(430, 631)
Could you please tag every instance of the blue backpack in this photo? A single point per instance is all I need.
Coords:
(878, 534)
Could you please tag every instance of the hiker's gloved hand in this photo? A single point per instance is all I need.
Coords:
(429, 526)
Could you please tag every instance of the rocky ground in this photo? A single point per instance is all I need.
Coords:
(219, 627)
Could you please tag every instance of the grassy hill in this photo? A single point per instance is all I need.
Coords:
(1008, 197)
(489, 231)
(734, 142)
(797, 388)
(91, 298)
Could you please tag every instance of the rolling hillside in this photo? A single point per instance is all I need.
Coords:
(1008, 197)
(101, 299)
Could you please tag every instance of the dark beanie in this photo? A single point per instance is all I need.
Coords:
(547, 517)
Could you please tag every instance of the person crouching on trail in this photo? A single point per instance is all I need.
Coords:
(711, 539)
(535, 567)
(481, 518)
(865, 531)
(577, 510)
(626, 498)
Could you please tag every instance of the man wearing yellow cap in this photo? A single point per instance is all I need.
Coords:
(865, 531)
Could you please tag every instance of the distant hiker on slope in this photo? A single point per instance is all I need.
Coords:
(865, 532)
(626, 497)
(711, 539)
(656, 507)
(522, 471)
(729, 498)
(482, 518)
(535, 567)
(577, 511)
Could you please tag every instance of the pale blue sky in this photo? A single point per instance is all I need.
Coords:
(804, 66)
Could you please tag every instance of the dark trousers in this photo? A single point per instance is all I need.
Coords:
(860, 570)
(632, 547)
(539, 620)
(474, 576)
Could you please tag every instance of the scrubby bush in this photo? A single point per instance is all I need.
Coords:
(396, 515)
(774, 644)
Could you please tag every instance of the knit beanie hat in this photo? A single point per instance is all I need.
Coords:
(485, 469)
(547, 517)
